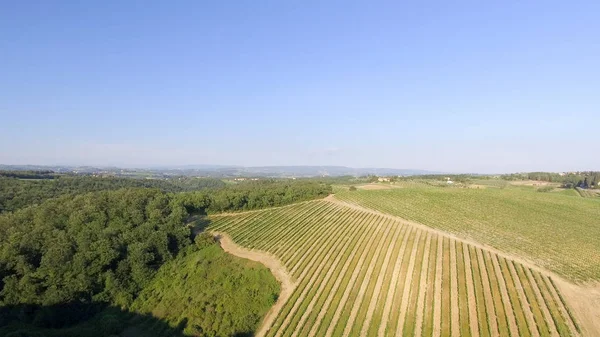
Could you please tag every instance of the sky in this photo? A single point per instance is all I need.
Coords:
(453, 86)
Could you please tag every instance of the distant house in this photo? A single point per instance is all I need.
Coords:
(382, 179)
(448, 181)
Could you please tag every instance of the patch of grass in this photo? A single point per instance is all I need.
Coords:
(211, 293)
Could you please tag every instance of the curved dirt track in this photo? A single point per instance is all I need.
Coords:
(276, 267)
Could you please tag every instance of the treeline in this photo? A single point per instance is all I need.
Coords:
(42, 174)
(583, 179)
(16, 193)
(253, 195)
(96, 247)
(103, 249)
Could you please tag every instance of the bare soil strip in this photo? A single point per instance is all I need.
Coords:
(323, 283)
(305, 241)
(542, 304)
(391, 290)
(273, 239)
(437, 309)
(319, 261)
(364, 285)
(524, 303)
(331, 198)
(342, 304)
(378, 285)
(424, 282)
(487, 292)
(276, 267)
(563, 311)
(408, 281)
(583, 299)
(472, 301)
(510, 315)
(314, 243)
(325, 307)
(455, 325)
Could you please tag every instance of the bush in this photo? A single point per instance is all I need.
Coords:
(352, 188)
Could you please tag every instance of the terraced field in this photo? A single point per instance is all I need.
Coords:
(557, 232)
(358, 273)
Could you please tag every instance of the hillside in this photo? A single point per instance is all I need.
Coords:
(556, 231)
(362, 273)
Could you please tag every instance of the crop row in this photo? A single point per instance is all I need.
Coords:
(364, 274)
(556, 232)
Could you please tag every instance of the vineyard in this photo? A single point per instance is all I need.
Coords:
(556, 231)
(359, 273)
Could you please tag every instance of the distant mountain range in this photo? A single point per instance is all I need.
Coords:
(228, 171)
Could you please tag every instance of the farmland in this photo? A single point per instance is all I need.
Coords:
(557, 231)
(360, 273)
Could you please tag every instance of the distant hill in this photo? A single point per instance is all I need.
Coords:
(227, 171)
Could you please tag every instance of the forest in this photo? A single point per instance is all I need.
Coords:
(17, 192)
(583, 179)
(113, 246)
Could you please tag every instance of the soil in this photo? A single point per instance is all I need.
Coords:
(487, 292)
(473, 319)
(455, 318)
(423, 287)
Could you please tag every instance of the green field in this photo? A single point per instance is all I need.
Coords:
(358, 273)
(556, 231)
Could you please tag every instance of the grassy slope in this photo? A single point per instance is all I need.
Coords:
(214, 292)
(205, 292)
(557, 231)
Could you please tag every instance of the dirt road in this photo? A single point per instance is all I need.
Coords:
(276, 267)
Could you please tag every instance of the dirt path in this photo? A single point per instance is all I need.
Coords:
(391, 290)
(437, 298)
(487, 293)
(454, 308)
(276, 267)
(407, 283)
(423, 288)
(473, 319)
(379, 283)
(510, 315)
(523, 300)
(366, 280)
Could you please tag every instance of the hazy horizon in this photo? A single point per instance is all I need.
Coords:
(451, 87)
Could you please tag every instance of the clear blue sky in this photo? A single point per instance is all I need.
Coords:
(481, 86)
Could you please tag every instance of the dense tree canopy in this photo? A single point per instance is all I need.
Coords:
(103, 246)
(253, 195)
(584, 179)
(19, 193)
